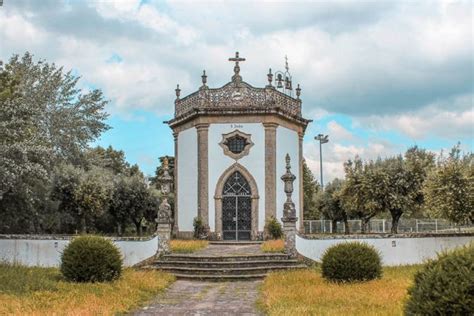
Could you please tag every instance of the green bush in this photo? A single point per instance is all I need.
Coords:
(444, 286)
(91, 259)
(351, 261)
(200, 231)
(274, 229)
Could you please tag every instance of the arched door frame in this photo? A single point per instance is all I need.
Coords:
(254, 198)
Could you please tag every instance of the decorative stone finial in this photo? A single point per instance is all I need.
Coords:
(204, 78)
(236, 77)
(270, 77)
(298, 91)
(178, 91)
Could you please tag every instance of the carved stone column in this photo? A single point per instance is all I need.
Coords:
(289, 212)
(164, 212)
(175, 222)
(203, 172)
(270, 170)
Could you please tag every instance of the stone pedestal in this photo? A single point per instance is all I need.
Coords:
(164, 235)
(289, 229)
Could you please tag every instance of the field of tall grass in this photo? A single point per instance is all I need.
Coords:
(43, 291)
(305, 292)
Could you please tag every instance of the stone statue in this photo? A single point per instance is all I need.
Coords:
(289, 212)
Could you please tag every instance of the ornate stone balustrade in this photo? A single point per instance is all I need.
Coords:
(237, 96)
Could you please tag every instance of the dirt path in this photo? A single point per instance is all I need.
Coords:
(205, 298)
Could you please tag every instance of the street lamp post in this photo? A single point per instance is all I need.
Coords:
(323, 139)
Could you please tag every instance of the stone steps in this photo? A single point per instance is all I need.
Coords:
(223, 264)
(224, 268)
(224, 258)
(257, 270)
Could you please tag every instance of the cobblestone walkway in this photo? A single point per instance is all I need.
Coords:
(205, 298)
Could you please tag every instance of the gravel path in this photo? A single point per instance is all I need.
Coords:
(205, 298)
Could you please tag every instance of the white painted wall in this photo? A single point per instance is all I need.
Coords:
(254, 162)
(187, 179)
(47, 252)
(287, 142)
(394, 251)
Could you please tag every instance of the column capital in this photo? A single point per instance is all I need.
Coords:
(300, 135)
(270, 125)
(175, 135)
(202, 126)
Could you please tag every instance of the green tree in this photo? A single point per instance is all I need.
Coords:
(107, 158)
(130, 201)
(331, 204)
(310, 191)
(361, 194)
(449, 188)
(44, 118)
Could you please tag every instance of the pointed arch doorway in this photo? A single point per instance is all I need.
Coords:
(236, 202)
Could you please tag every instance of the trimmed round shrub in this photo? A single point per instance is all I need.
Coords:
(91, 259)
(351, 262)
(444, 286)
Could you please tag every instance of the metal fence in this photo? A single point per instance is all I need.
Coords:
(410, 225)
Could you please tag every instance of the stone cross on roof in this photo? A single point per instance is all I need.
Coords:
(236, 77)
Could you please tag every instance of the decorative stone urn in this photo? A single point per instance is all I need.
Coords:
(289, 212)
(164, 211)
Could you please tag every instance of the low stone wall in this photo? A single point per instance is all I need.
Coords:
(394, 249)
(45, 250)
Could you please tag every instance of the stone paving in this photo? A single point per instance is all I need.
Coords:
(185, 297)
(205, 298)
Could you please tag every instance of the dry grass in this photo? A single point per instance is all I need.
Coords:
(305, 292)
(51, 295)
(187, 246)
(273, 246)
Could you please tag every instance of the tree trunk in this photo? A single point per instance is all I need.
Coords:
(119, 229)
(83, 223)
(396, 214)
(334, 226)
(346, 226)
(138, 226)
(365, 225)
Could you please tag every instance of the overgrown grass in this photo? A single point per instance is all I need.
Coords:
(187, 246)
(305, 292)
(43, 291)
(277, 245)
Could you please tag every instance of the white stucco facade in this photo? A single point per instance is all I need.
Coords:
(187, 178)
(254, 162)
(287, 142)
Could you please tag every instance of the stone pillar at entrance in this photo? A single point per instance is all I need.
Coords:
(164, 212)
(289, 212)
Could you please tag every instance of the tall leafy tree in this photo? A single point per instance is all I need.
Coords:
(361, 193)
(310, 191)
(449, 188)
(44, 118)
(331, 204)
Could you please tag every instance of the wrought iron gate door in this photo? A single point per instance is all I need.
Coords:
(236, 208)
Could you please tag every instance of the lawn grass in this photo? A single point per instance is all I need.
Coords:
(277, 245)
(187, 246)
(43, 291)
(305, 292)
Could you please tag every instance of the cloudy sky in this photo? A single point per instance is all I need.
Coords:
(377, 76)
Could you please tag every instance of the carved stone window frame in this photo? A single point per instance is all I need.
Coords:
(244, 152)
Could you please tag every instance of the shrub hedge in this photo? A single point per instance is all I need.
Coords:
(350, 262)
(91, 259)
(445, 286)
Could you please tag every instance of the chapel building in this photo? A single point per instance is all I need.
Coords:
(230, 148)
